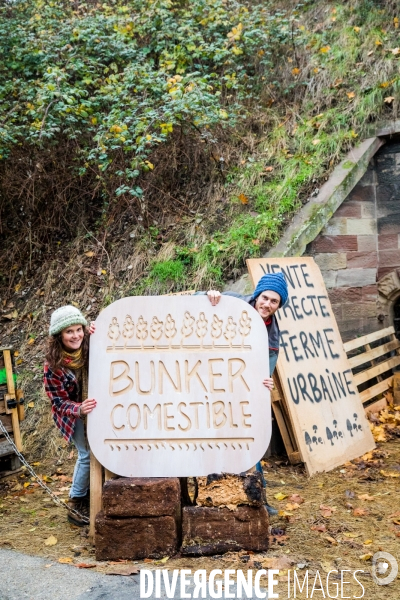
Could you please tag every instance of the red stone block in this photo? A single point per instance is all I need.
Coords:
(389, 258)
(363, 193)
(343, 295)
(207, 531)
(361, 259)
(349, 208)
(136, 538)
(338, 243)
(388, 242)
(369, 293)
(141, 497)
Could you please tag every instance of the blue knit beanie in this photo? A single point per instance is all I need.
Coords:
(275, 282)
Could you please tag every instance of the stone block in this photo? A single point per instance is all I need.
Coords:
(382, 271)
(343, 295)
(339, 243)
(389, 258)
(335, 226)
(361, 226)
(388, 242)
(363, 193)
(135, 538)
(363, 310)
(329, 261)
(349, 208)
(355, 277)
(329, 278)
(141, 497)
(207, 531)
(365, 243)
(362, 259)
(369, 293)
(368, 211)
(389, 224)
(230, 490)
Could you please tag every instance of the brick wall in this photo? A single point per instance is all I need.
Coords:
(361, 244)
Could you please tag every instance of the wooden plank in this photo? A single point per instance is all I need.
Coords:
(318, 387)
(379, 388)
(6, 448)
(360, 359)
(284, 422)
(380, 368)
(16, 429)
(19, 394)
(2, 407)
(9, 376)
(368, 339)
(376, 407)
(96, 489)
(6, 421)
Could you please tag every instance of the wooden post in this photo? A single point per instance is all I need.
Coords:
(108, 474)
(11, 392)
(19, 394)
(96, 488)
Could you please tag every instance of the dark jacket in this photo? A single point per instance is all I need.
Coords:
(272, 328)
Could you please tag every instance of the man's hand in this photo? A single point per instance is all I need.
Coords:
(214, 297)
(269, 383)
(92, 327)
(87, 406)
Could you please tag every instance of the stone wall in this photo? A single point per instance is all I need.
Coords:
(360, 246)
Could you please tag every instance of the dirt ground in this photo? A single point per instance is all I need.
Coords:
(335, 520)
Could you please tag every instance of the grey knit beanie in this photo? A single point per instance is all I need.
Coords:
(64, 317)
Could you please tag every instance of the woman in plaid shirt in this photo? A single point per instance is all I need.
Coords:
(65, 381)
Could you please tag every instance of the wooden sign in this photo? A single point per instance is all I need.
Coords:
(316, 378)
(178, 385)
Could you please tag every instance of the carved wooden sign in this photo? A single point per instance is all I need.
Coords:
(323, 402)
(178, 385)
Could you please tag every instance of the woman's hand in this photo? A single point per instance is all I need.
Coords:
(269, 383)
(92, 327)
(214, 297)
(87, 406)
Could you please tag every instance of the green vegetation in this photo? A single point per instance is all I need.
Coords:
(183, 134)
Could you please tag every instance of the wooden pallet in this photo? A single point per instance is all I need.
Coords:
(284, 423)
(9, 417)
(372, 359)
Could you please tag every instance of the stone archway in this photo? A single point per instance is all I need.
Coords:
(388, 294)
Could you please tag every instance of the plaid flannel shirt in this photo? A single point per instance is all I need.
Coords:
(63, 390)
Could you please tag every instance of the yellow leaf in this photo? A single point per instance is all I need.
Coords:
(292, 506)
(389, 99)
(386, 474)
(295, 71)
(47, 478)
(74, 303)
(331, 540)
(243, 199)
(316, 142)
(149, 164)
(279, 496)
(384, 84)
(89, 254)
(325, 49)
(65, 560)
(356, 29)
(349, 534)
(103, 272)
(284, 513)
(36, 464)
(378, 43)
(51, 541)
(17, 287)
(237, 50)
(353, 134)
(223, 114)
(366, 556)
(368, 542)
(31, 341)
(16, 353)
(33, 529)
(164, 560)
(350, 95)
(396, 22)
(94, 120)
(27, 484)
(315, 70)
(31, 405)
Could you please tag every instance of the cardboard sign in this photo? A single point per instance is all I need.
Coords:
(178, 385)
(323, 402)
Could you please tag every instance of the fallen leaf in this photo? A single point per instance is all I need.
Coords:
(16, 353)
(269, 169)
(279, 496)
(89, 254)
(295, 71)
(296, 498)
(331, 540)
(292, 506)
(360, 512)
(85, 565)
(350, 95)
(368, 542)
(31, 405)
(356, 29)
(366, 497)
(31, 341)
(243, 199)
(316, 142)
(326, 511)
(325, 49)
(320, 528)
(384, 84)
(349, 534)
(387, 474)
(378, 43)
(395, 51)
(65, 560)
(12, 315)
(366, 556)
(51, 541)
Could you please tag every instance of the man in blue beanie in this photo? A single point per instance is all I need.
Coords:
(270, 294)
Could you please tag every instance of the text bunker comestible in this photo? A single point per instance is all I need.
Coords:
(178, 385)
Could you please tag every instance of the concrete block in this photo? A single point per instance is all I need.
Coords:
(330, 261)
(355, 277)
(135, 538)
(361, 226)
(335, 226)
(230, 490)
(207, 531)
(141, 497)
(366, 243)
(362, 259)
